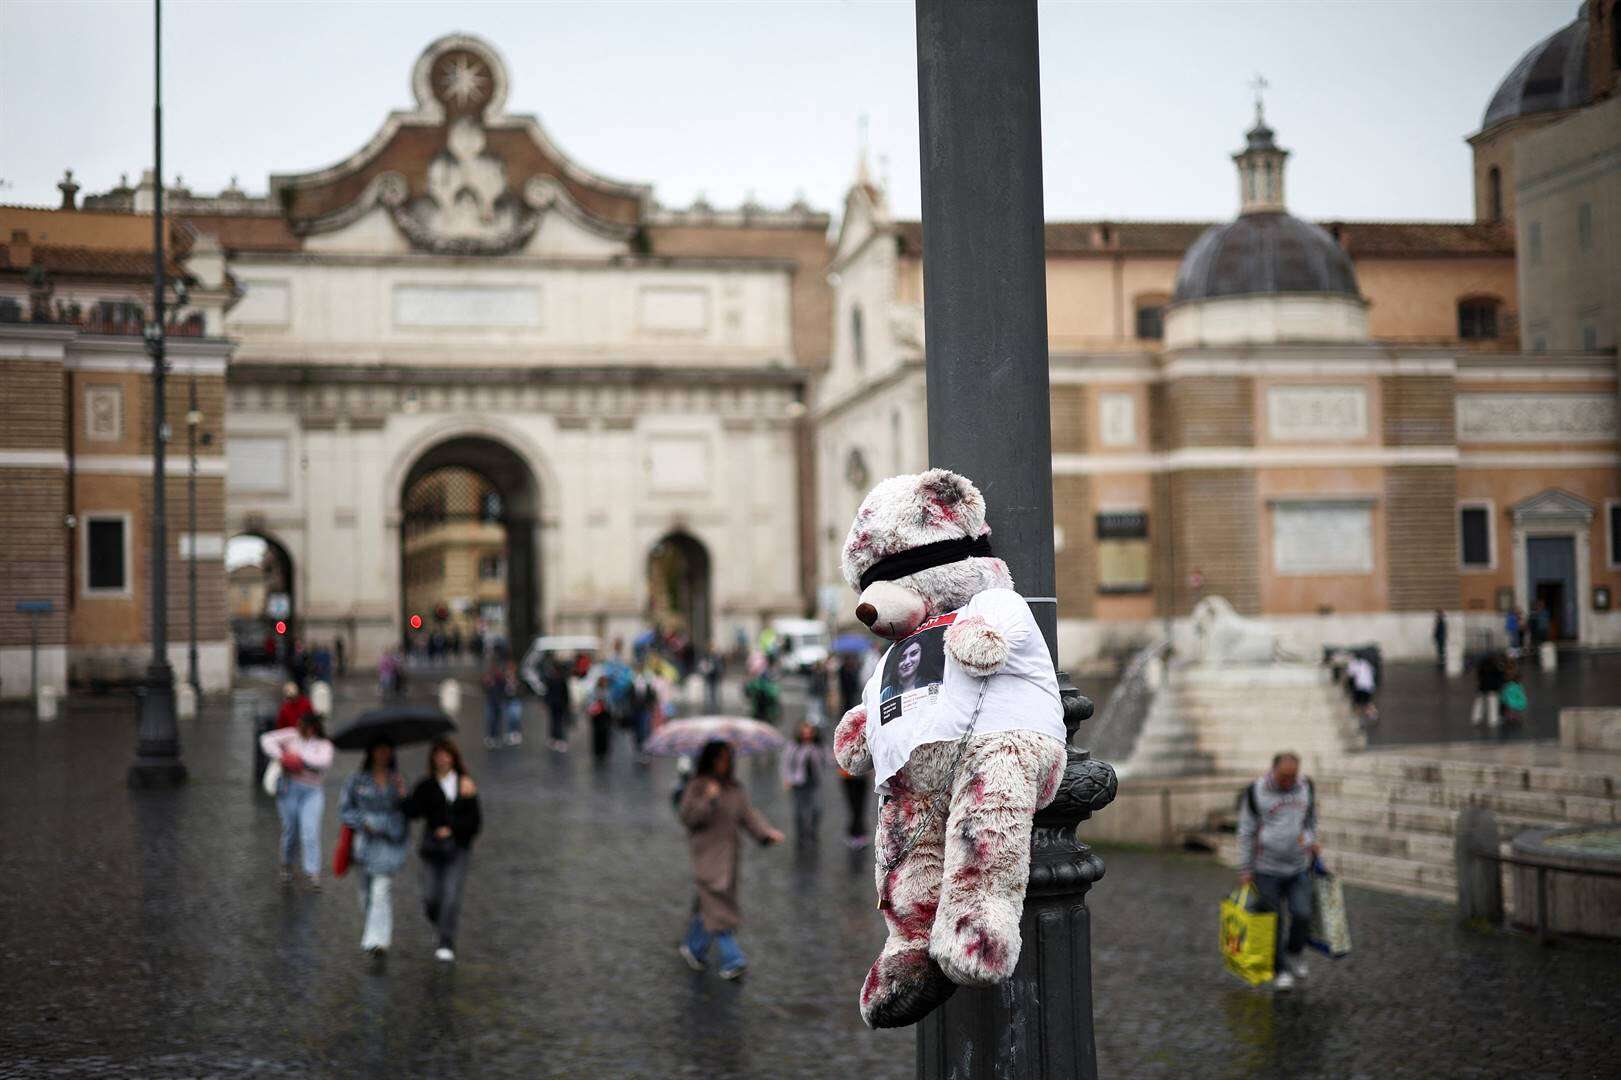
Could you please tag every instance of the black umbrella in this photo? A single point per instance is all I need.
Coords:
(400, 724)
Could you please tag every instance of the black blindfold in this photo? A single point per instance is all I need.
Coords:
(904, 563)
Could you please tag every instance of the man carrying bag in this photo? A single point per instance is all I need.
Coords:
(1277, 841)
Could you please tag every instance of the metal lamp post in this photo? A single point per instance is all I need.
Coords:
(157, 738)
(194, 419)
(984, 267)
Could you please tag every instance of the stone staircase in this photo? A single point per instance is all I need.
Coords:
(1234, 718)
(1386, 818)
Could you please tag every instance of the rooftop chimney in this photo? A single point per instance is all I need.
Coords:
(69, 190)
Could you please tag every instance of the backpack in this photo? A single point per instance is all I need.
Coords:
(1247, 798)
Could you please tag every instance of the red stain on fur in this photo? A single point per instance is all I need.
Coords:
(976, 788)
(916, 922)
(1050, 789)
(989, 951)
(846, 737)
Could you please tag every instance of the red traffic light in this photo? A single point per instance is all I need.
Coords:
(416, 622)
(281, 627)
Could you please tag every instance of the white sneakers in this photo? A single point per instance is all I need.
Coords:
(1298, 967)
(1284, 981)
(692, 961)
(514, 738)
(444, 953)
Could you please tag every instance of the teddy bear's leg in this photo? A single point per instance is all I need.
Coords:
(1003, 780)
(904, 984)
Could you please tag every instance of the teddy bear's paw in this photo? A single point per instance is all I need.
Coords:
(902, 988)
(850, 742)
(979, 648)
(974, 955)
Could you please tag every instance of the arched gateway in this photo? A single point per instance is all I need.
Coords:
(470, 544)
(477, 381)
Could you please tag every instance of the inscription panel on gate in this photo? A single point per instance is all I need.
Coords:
(1534, 418)
(1316, 413)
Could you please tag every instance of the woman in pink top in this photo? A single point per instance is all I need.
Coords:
(305, 755)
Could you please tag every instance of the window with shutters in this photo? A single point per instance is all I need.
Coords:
(1475, 536)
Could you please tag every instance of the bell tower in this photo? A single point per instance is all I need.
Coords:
(1260, 164)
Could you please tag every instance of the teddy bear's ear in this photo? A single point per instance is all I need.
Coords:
(957, 495)
(944, 486)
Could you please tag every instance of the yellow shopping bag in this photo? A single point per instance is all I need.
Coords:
(1248, 938)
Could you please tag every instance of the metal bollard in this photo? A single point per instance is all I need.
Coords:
(450, 697)
(185, 702)
(45, 703)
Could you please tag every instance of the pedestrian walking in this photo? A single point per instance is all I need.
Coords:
(714, 808)
(600, 712)
(802, 766)
(1364, 681)
(1277, 842)
(340, 652)
(1489, 670)
(294, 707)
(1440, 636)
(1514, 629)
(446, 800)
(373, 806)
(712, 668)
(513, 703)
(1541, 624)
(816, 692)
(764, 697)
(495, 696)
(554, 686)
(304, 754)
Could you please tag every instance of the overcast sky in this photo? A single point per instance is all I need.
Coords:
(1142, 102)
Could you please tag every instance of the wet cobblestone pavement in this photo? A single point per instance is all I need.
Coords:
(144, 934)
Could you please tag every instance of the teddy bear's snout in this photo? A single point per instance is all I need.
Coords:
(890, 610)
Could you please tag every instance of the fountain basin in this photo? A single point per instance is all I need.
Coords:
(1576, 903)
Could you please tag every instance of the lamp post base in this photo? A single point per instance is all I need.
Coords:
(157, 739)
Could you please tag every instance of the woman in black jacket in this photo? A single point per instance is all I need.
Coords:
(447, 801)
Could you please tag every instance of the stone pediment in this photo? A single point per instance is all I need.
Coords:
(458, 175)
(1552, 506)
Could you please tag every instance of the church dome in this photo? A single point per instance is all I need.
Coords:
(1264, 252)
(1553, 75)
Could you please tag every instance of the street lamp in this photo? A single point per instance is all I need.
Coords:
(985, 338)
(157, 737)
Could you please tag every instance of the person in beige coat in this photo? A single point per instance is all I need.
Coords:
(714, 808)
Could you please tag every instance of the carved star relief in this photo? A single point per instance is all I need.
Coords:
(462, 81)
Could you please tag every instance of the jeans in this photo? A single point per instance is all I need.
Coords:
(807, 812)
(698, 939)
(493, 707)
(377, 899)
(300, 806)
(1291, 898)
(514, 709)
(560, 719)
(442, 881)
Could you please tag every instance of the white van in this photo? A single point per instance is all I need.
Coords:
(804, 642)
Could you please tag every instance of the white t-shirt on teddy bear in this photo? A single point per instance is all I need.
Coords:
(920, 695)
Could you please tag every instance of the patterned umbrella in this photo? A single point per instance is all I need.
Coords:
(680, 738)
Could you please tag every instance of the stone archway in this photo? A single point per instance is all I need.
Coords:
(679, 586)
(469, 542)
(261, 593)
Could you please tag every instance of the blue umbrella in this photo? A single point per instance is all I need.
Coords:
(642, 639)
(852, 643)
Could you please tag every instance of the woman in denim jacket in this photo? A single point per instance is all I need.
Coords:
(372, 807)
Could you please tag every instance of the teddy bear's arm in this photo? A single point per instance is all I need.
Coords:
(850, 742)
(980, 648)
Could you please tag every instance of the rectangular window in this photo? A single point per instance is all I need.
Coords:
(1535, 243)
(106, 555)
(1584, 226)
(489, 568)
(1123, 552)
(1151, 322)
(1475, 536)
(1615, 534)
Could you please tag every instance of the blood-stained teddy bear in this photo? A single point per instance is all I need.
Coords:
(962, 727)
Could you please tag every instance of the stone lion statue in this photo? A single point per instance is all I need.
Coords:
(1223, 636)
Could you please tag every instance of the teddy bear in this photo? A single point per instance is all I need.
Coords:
(962, 726)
